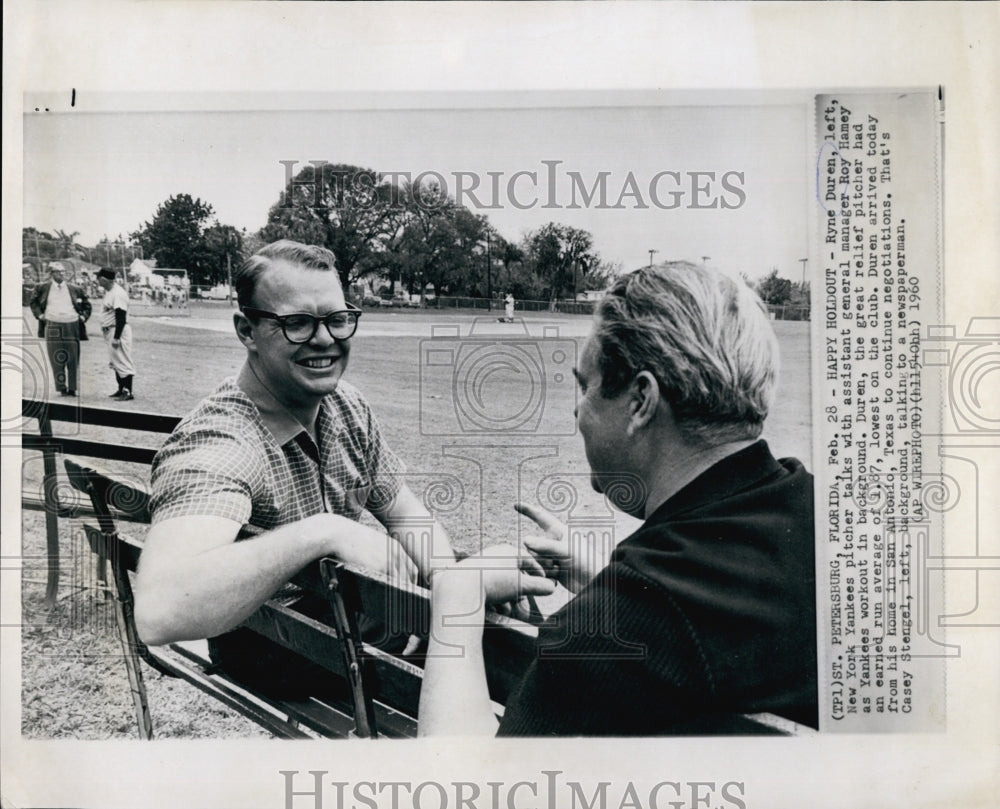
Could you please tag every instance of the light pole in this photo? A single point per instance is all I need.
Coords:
(704, 261)
(489, 275)
(803, 260)
(651, 252)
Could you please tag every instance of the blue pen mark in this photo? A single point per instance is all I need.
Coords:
(833, 183)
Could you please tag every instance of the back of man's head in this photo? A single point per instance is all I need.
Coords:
(304, 255)
(706, 338)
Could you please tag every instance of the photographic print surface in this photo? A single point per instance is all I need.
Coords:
(855, 205)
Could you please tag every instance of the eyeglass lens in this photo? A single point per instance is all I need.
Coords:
(302, 328)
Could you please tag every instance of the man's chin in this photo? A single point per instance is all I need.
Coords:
(316, 388)
(625, 491)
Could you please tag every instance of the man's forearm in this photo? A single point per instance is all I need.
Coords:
(187, 595)
(120, 319)
(454, 698)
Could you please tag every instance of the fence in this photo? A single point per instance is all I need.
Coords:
(789, 311)
(561, 306)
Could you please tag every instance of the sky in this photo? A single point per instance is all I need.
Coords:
(105, 173)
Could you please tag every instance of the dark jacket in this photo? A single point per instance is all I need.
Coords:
(40, 299)
(706, 612)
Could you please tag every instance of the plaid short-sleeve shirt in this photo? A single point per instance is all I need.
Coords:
(223, 461)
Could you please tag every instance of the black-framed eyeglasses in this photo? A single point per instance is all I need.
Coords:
(301, 327)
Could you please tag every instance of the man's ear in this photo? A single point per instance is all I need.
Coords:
(644, 401)
(244, 329)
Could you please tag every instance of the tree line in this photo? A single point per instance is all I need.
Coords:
(413, 235)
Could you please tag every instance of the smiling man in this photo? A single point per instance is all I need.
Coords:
(707, 612)
(288, 449)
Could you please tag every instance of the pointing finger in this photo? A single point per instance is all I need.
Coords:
(542, 518)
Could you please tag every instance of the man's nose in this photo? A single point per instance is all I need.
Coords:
(322, 337)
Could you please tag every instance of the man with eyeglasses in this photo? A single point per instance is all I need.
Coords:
(288, 450)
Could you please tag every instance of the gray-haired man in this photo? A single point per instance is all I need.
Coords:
(706, 612)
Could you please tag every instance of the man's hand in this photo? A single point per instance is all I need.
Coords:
(115, 342)
(573, 563)
(504, 575)
(371, 550)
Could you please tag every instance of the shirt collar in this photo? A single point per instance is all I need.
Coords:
(732, 474)
(278, 421)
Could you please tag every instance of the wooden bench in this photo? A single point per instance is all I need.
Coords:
(381, 690)
(51, 446)
(384, 688)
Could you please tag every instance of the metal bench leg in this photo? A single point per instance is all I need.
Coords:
(346, 625)
(51, 517)
(125, 617)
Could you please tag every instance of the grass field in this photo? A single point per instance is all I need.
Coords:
(510, 436)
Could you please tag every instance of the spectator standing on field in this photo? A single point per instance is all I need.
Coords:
(62, 310)
(117, 333)
(508, 303)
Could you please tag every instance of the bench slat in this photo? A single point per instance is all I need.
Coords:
(390, 694)
(91, 449)
(101, 417)
(228, 694)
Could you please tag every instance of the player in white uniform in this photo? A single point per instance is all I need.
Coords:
(117, 333)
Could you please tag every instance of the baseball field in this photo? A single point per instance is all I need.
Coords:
(481, 413)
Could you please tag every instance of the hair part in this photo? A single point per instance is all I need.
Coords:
(310, 256)
(707, 339)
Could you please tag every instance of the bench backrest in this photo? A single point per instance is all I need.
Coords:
(374, 675)
(48, 412)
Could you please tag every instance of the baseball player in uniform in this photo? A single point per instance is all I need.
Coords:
(117, 333)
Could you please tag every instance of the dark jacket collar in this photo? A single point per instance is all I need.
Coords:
(732, 474)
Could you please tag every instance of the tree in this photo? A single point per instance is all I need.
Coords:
(38, 244)
(513, 271)
(175, 237)
(600, 275)
(774, 290)
(115, 254)
(561, 256)
(799, 293)
(252, 242)
(437, 242)
(70, 248)
(224, 246)
(349, 210)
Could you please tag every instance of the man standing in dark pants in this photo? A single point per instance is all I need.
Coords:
(117, 333)
(62, 310)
